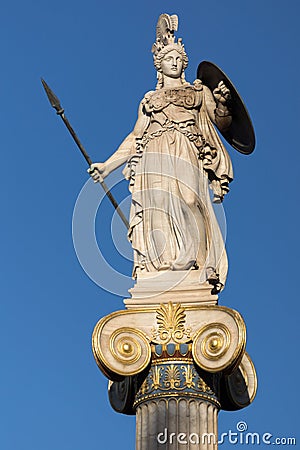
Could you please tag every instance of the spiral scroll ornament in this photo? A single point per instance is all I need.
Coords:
(124, 352)
(217, 346)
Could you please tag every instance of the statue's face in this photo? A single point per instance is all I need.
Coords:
(172, 64)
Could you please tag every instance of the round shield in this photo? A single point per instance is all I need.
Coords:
(240, 135)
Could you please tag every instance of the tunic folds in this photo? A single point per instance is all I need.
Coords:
(171, 167)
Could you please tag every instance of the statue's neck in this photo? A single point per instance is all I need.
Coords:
(172, 82)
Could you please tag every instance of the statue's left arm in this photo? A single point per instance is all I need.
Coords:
(217, 104)
(216, 161)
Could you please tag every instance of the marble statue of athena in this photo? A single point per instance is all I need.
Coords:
(173, 159)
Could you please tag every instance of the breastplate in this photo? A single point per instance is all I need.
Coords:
(186, 97)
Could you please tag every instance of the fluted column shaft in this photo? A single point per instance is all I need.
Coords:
(176, 423)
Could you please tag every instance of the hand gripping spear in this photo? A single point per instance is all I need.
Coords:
(54, 101)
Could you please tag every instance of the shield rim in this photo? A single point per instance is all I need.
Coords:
(241, 123)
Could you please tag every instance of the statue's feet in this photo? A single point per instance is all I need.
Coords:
(165, 266)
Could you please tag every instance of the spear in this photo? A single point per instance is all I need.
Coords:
(55, 103)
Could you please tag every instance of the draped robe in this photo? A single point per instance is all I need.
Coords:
(171, 167)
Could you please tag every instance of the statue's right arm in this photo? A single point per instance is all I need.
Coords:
(121, 155)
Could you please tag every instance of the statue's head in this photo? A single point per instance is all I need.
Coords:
(166, 52)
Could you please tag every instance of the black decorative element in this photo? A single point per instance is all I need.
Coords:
(122, 394)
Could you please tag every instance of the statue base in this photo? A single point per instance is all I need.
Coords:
(187, 287)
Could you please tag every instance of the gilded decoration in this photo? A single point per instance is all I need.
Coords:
(216, 337)
(175, 377)
(172, 377)
(124, 352)
(218, 346)
(171, 320)
(188, 373)
(155, 377)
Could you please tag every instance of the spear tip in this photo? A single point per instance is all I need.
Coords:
(53, 99)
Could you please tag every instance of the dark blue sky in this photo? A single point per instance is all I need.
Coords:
(96, 56)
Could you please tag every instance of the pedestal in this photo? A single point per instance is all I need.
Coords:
(175, 358)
